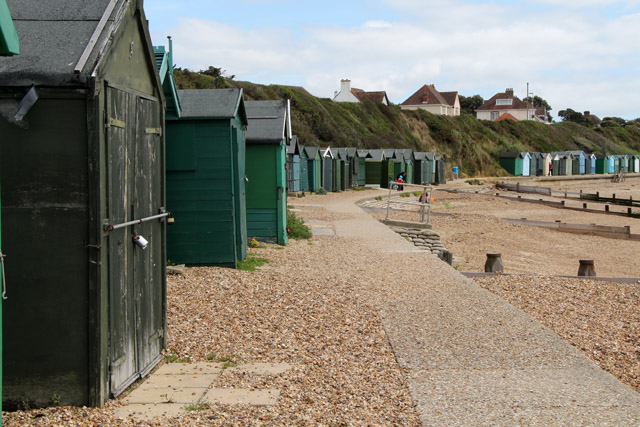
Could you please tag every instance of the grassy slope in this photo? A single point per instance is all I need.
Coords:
(471, 144)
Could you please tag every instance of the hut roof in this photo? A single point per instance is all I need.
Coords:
(294, 146)
(362, 153)
(419, 155)
(511, 155)
(377, 155)
(210, 103)
(389, 152)
(430, 155)
(351, 152)
(63, 41)
(311, 151)
(267, 121)
(164, 62)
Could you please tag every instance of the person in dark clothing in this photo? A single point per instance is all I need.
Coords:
(402, 177)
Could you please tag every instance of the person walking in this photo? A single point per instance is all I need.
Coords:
(550, 168)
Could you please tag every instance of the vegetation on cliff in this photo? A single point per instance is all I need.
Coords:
(473, 145)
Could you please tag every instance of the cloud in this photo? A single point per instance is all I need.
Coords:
(571, 58)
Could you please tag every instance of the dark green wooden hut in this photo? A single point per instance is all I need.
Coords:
(361, 166)
(9, 45)
(293, 165)
(314, 167)
(82, 168)
(602, 163)
(304, 170)
(511, 161)
(399, 164)
(441, 167)
(328, 166)
(267, 135)
(345, 169)
(205, 179)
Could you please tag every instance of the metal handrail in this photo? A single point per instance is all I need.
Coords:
(426, 188)
(110, 227)
(4, 281)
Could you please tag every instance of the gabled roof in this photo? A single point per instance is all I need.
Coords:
(212, 103)
(427, 95)
(267, 121)
(430, 155)
(328, 152)
(407, 153)
(293, 147)
(511, 155)
(362, 153)
(341, 153)
(450, 97)
(9, 42)
(64, 41)
(388, 153)
(377, 155)
(517, 104)
(164, 62)
(418, 155)
(311, 151)
(351, 152)
(379, 97)
(506, 116)
(577, 153)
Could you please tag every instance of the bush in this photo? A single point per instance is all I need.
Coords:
(321, 191)
(296, 228)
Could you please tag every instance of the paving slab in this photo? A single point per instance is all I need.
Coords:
(263, 368)
(179, 380)
(189, 368)
(246, 396)
(149, 411)
(181, 395)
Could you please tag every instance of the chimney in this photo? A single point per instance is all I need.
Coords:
(509, 92)
(587, 113)
(345, 85)
(170, 55)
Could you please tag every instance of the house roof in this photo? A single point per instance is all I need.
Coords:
(450, 97)
(267, 121)
(311, 151)
(9, 42)
(506, 116)
(210, 103)
(62, 41)
(427, 95)
(517, 104)
(376, 96)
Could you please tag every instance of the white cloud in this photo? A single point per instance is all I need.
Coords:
(572, 59)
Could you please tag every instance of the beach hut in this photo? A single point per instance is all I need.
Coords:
(579, 166)
(624, 162)
(511, 161)
(352, 158)
(293, 165)
(373, 166)
(205, 179)
(9, 46)
(590, 164)
(314, 167)
(611, 166)
(361, 165)
(423, 168)
(304, 170)
(409, 164)
(602, 163)
(328, 166)
(526, 163)
(343, 169)
(399, 164)
(82, 125)
(533, 163)
(636, 163)
(544, 159)
(616, 163)
(441, 167)
(266, 139)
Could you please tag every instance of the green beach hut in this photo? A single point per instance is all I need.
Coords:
(511, 161)
(267, 135)
(314, 167)
(89, 152)
(205, 179)
(361, 165)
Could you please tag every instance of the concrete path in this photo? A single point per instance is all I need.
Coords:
(473, 359)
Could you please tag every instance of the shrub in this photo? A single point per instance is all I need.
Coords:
(296, 228)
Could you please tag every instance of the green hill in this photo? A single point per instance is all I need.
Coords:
(471, 144)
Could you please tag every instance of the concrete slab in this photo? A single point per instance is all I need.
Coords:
(149, 411)
(189, 368)
(317, 231)
(179, 380)
(181, 395)
(242, 396)
(263, 368)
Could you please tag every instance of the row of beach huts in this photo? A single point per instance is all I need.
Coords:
(567, 163)
(310, 168)
(108, 171)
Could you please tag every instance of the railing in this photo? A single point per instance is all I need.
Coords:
(427, 190)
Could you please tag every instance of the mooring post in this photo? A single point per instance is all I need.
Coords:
(606, 208)
(562, 202)
(584, 206)
(493, 263)
(586, 268)
(629, 211)
(614, 196)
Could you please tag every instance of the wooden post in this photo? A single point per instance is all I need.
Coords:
(606, 208)
(584, 206)
(586, 268)
(614, 196)
(446, 256)
(629, 211)
(493, 263)
(597, 195)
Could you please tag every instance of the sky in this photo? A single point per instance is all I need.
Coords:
(578, 54)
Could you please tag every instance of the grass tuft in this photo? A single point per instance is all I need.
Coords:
(252, 263)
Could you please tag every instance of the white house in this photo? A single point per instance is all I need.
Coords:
(349, 94)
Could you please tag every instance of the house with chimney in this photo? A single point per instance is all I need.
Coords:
(349, 94)
(506, 105)
(429, 99)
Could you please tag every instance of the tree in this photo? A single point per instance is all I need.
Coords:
(469, 105)
(538, 102)
(216, 72)
(570, 115)
(608, 122)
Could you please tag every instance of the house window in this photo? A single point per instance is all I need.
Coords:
(443, 109)
(504, 101)
(456, 111)
(494, 115)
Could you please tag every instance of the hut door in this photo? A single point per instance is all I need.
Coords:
(134, 190)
